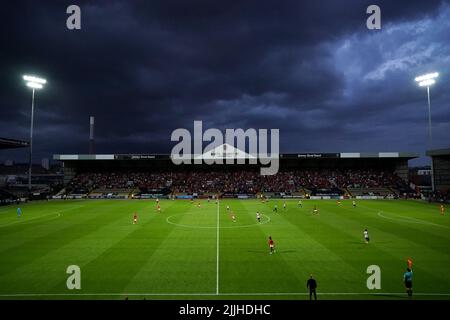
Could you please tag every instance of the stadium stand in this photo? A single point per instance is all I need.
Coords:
(12, 143)
(14, 177)
(300, 175)
(6, 197)
(124, 184)
(14, 180)
(441, 170)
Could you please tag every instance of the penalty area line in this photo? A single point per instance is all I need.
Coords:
(31, 220)
(410, 220)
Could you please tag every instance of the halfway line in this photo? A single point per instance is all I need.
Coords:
(217, 244)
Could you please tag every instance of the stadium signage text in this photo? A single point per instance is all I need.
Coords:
(223, 148)
(309, 155)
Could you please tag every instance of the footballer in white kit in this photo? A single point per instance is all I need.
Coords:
(366, 235)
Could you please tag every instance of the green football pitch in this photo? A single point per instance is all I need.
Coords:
(191, 252)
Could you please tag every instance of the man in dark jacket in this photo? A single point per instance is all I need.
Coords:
(312, 285)
(407, 278)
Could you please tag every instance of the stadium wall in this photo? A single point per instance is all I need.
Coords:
(402, 169)
(441, 169)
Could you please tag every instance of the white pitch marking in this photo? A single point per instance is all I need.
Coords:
(31, 219)
(58, 212)
(218, 234)
(410, 220)
(221, 294)
(211, 227)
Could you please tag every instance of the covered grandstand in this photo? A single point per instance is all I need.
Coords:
(5, 196)
(301, 175)
(14, 177)
(440, 174)
(13, 144)
(441, 168)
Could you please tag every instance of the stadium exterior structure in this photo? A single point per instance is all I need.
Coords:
(441, 169)
(6, 143)
(396, 162)
(13, 143)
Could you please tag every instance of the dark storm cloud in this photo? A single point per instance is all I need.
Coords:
(310, 68)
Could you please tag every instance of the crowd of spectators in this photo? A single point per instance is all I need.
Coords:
(438, 196)
(236, 181)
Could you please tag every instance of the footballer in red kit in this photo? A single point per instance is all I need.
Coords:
(271, 245)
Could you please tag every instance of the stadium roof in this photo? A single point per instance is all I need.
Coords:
(12, 143)
(226, 151)
(439, 152)
(352, 155)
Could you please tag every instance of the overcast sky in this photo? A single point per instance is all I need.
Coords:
(144, 68)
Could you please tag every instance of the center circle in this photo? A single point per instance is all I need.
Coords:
(196, 225)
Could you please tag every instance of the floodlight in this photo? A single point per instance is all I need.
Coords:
(34, 85)
(34, 79)
(428, 80)
(427, 83)
(427, 76)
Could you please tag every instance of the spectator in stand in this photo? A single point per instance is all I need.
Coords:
(237, 181)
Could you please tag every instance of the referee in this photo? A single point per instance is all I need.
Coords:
(312, 285)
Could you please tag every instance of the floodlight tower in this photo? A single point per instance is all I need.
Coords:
(428, 80)
(35, 83)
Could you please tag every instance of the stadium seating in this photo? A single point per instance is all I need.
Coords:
(379, 191)
(289, 182)
(118, 193)
(6, 197)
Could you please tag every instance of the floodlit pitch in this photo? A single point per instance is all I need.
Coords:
(187, 251)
